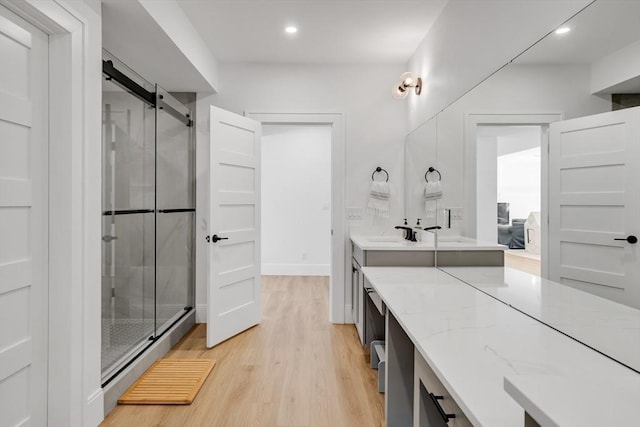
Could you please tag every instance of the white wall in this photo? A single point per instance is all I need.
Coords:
(296, 199)
(374, 123)
(518, 182)
(487, 190)
(472, 39)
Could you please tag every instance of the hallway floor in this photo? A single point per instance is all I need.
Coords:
(523, 261)
(294, 369)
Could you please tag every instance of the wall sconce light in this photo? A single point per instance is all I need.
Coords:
(407, 80)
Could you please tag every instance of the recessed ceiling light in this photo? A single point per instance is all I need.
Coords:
(291, 30)
(563, 30)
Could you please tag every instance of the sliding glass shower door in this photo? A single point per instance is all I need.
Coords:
(175, 204)
(128, 224)
(148, 199)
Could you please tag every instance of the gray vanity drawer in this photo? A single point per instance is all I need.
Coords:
(471, 258)
(399, 259)
(426, 258)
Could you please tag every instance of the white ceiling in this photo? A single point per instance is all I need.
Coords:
(601, 29)
(330, 31)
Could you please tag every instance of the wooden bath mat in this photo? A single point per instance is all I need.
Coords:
(169, 382)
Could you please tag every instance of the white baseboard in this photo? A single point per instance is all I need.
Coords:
(201, 313)
(348, 317)
(94, 410)
(296, 269)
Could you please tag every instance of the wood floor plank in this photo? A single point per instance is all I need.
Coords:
(522, 262)
(294, 369)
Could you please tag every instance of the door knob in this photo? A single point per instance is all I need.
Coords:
(630, 239)
(215, 238)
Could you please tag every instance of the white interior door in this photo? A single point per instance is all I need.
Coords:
(594, 204)
(23, 222)
(234, 293)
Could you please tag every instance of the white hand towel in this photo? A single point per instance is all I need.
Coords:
(433, 190)
(379, 195)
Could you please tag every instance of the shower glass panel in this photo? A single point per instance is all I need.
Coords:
(176, 210)
(128, 223)
(148, 213)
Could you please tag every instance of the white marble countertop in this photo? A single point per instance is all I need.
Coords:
(605, 325)
(445, 243)
(585, 401)
(472, 342)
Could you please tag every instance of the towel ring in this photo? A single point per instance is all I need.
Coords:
(432, 169)
(379, 169)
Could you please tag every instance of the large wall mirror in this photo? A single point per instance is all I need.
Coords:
(491, 149)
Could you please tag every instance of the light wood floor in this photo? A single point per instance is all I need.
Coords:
(522, 261)
(294, 369)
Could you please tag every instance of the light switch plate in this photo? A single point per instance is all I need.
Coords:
(456, 214)
(354, 213)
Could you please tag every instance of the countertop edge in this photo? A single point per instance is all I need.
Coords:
(527, 404)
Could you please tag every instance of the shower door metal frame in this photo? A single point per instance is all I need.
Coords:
(138, 91)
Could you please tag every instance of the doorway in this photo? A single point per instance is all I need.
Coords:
(473, 170)
(509, 191)
(338, 262)
(296, 199)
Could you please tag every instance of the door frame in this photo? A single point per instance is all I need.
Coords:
(337, 308)
(471, 122)
(74, 392)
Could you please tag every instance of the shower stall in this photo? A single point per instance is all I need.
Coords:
(148, 211)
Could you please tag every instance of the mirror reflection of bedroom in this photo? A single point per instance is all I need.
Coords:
(509, 191)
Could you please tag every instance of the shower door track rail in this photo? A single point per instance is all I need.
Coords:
(127, 212)
(141, 348)
(143, 211)
(140, 92)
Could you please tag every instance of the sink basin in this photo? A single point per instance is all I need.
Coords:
(385, 239)
(453, 239)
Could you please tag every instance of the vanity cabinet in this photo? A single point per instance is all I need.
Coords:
(368, 321)
(367, 315)
(392, 258)
(432, 403)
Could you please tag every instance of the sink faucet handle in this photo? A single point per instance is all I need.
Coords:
(409, 234)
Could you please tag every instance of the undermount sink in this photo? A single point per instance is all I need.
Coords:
(453, 239)
(385, 239)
